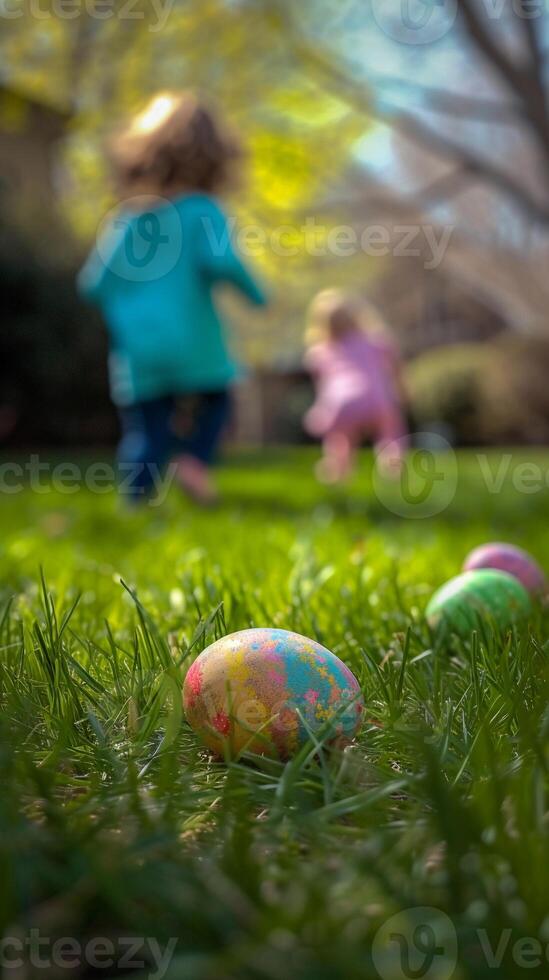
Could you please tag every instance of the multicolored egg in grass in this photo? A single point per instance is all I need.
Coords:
(483, 595)
(266, 690)
(508, 558)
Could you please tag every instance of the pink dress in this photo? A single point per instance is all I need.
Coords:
(356, 389)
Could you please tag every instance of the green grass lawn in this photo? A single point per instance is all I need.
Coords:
(115, 823)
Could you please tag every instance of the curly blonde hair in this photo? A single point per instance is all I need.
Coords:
(335, 313)
(175, 143)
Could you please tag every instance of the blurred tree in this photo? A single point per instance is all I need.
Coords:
(307, 85)
(511, 45)
(463, 88)
(298, 140)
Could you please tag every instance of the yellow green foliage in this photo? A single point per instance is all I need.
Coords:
(299, 139)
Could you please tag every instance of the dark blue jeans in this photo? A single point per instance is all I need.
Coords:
(150, 440)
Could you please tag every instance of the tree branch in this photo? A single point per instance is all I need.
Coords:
(525, 81)
(472, 164)
(537, 56)
(412, 127)
(430, 139)
(452, 104)
(479, 34)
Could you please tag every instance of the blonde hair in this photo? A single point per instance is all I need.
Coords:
(334, 314)
(175, 143)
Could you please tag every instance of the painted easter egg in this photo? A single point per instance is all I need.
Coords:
(508, 558)
(486, 594)
(266, 690)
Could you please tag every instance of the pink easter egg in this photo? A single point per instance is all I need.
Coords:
(508, 558)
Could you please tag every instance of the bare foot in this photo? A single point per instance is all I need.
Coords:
(194, 478)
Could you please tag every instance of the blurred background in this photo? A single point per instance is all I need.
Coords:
(397, 148)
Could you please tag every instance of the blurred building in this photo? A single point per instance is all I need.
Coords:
(269, 406)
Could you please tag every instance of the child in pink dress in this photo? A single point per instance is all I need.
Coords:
(355, 367)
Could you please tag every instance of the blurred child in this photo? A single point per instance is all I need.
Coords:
(355, 367)
(153, 274)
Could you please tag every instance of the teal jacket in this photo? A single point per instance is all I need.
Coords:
(153, 275)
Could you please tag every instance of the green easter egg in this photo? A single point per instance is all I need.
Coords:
(486, 594)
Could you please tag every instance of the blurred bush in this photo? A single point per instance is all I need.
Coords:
(53, 377)
(484, 393)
